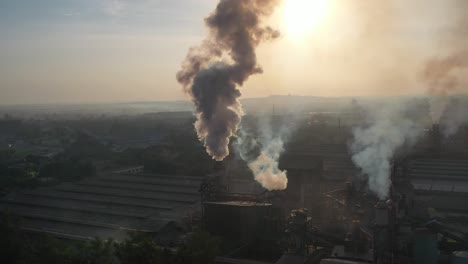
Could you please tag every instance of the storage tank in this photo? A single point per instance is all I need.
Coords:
(425, 249)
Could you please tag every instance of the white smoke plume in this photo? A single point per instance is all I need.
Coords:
(265, 167)
(212, 72)
(262, 153)
(388, 128)
(455, 116)
(438, 104)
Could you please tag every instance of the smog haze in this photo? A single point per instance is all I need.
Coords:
(120, 51)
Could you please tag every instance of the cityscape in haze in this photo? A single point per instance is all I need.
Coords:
(234, 131)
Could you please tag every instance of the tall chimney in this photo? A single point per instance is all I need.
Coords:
(436, 137)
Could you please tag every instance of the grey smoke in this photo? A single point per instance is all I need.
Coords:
(212, 72)
(442, 73)
(262, 151)
(455, 116)
(387, 129)
(442, 76)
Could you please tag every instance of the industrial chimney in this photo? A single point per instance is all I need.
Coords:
(436, 138)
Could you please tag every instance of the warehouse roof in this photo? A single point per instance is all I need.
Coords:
(105, 207)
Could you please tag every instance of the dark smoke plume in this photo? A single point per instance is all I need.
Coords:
(212, 72)
(442, 73)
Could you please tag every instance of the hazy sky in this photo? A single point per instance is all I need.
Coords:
(70, 51)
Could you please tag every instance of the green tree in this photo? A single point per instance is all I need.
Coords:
(97, 251)
(202, 248)
(68, 170)
(16, 178)
(138, 248)
(45, 249)
(10, 239)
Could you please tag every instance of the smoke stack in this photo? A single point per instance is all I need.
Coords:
(212, 72)
(436, 137)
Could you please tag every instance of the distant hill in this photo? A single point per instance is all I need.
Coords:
(277, 103)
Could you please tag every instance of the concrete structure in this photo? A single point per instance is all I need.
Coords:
(304, 177)
(236, 220)
(314, 170)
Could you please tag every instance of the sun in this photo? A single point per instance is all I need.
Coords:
(301, 17)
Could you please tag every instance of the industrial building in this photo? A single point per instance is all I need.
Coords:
(326, 215)
(339, 220)
(107, 206)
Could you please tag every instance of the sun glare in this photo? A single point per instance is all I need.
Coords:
(304, 16)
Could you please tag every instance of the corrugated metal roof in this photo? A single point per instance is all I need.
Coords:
(103, 207)
(439, 169)
(440, 185)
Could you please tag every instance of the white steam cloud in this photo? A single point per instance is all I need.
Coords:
(262, 155)
(388, 129)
